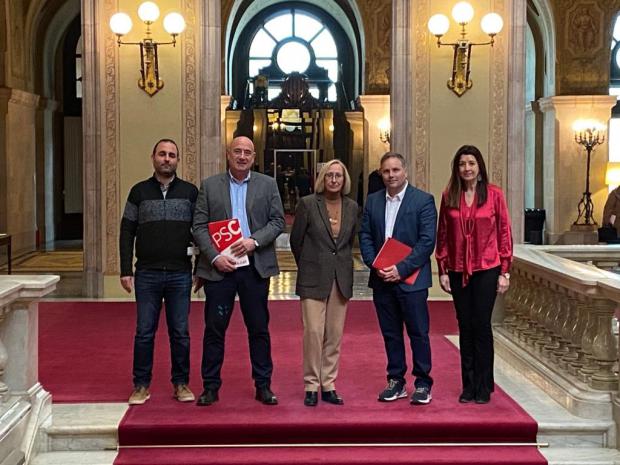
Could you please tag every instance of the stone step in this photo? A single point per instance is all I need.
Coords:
(83, 427)
(579, 433)
(581, 456)
(555, 456)
(104, 457)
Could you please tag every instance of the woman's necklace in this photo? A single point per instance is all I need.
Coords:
(333, 210)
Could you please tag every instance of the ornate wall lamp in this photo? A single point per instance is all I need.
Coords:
(148, 12)
(384, 130)
(463, 13)
(589, 134)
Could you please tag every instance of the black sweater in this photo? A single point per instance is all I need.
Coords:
(161, 227)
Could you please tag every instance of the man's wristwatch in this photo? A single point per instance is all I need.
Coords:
(506, 275)
(255, 243)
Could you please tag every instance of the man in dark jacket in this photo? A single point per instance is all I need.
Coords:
(158, 219)
(252, 198)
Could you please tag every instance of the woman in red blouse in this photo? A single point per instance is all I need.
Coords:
(474, 253)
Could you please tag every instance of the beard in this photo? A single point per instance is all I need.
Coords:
(165, 170)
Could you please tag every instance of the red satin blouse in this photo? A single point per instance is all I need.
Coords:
(474, 238)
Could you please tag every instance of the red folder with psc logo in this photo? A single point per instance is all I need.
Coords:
(224, 234)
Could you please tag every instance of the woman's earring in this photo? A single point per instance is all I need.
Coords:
(479, 178)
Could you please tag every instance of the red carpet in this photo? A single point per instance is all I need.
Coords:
(85, 348)
(86, 356)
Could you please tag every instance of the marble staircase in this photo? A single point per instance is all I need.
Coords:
(86, 434)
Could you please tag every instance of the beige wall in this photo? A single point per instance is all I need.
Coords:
(457, 121)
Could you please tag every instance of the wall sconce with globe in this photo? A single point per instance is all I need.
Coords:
(463, 13)
(148, 12)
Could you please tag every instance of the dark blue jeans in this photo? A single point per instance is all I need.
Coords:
(173, 287)
(253, 292)
(396, 309)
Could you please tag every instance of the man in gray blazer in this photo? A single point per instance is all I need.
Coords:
(253, 199)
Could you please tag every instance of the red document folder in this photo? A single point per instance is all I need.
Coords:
(224, 234)
(393, 252)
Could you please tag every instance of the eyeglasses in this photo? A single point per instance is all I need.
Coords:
(335, 176)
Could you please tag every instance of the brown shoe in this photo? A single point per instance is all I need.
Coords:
(182, 393)
(139, 395)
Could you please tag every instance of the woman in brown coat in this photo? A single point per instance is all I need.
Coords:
(611, 211)
(322, 241)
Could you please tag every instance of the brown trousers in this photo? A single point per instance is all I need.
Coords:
(323, 326)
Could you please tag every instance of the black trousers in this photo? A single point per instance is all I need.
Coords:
(474, 306)
(253, 291)
(396, 309)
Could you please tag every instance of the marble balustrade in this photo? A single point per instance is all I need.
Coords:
(24, 404)
(563, 311)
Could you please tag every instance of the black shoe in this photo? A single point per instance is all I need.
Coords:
(264, 395)
(311, 399)
(208, 397)
(466, 397)
(331, 397)
(483, 398)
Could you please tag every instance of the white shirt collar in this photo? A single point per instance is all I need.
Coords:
(399, 196)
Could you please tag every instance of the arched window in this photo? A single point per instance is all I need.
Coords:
(294, 37)
(614, 89)
(294, 40)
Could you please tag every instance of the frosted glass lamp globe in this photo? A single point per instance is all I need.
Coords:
(438, 24)
(463, 12)
(148, 12)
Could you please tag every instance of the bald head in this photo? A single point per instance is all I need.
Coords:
(240, 156)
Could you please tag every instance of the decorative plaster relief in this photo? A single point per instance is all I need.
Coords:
(377, 19)
(582, 29)
(498, 99)
(422, 96)
(190, 100)
(582, 45)
(112, 160)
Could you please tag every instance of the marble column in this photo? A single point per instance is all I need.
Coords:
(401, 82)
(18, 109)
(211, 160)
(99, 124)
(514, 150)
(4, 107)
